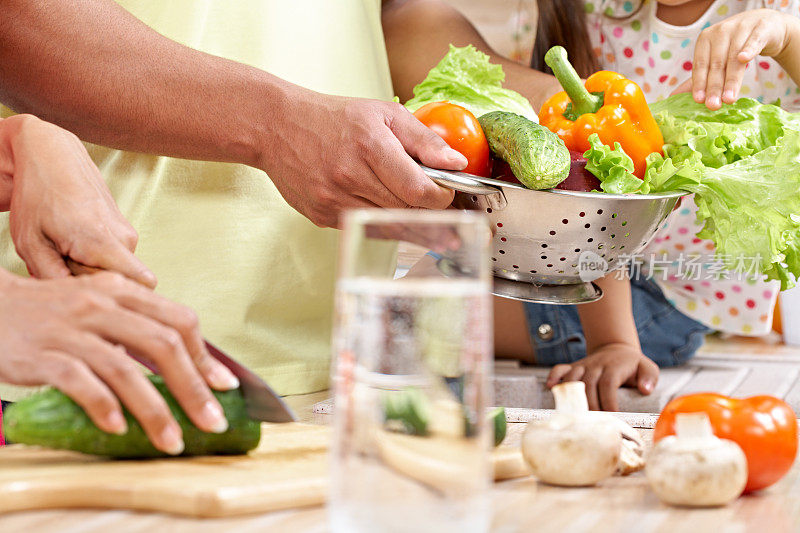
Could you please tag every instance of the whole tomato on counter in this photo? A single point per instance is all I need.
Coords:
(461, 131)
(764, 427)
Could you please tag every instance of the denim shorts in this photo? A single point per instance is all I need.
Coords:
(667, 336)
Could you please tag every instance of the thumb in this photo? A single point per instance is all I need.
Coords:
(44, 262)
(116, 257)
(423, 144)
(646, 376)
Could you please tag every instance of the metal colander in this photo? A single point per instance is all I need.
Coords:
(541, 237)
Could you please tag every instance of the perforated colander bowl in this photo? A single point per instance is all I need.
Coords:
(542, 237)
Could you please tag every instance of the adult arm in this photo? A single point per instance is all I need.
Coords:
(91, 67)
(418, 34)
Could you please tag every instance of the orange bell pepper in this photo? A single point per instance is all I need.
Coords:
(764, 427)
(608, 104)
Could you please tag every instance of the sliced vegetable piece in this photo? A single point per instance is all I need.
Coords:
(408, 406)
(497, 417)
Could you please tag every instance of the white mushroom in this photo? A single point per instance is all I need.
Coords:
(574, 447)
(694, 468)
(631, 458)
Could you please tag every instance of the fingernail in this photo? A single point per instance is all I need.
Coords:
(172, 441)
(699, 96)
(647, 385)
(214, 418)
(728, 96)
(223, 379)
(713, 101)
(150, 279)
(117, 423)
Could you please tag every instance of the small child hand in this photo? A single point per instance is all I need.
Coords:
(607, 369)
(723, 50)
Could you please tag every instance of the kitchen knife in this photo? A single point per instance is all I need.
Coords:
(261, 401)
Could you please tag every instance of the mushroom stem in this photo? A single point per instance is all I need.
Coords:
(571, 397)
(695, 426)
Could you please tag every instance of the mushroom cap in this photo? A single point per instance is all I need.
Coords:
(706, 473)
(572, 450)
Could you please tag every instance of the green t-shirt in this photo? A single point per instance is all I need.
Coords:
(219, 236)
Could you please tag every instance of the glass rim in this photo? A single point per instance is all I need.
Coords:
(379, 215)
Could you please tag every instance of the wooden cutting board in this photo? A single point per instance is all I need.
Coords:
(288, 470)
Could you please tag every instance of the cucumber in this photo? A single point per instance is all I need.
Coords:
(498, 416)
(537, 157)
(410, 407)
(52, 419)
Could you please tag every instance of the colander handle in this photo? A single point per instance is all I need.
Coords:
(458, 181)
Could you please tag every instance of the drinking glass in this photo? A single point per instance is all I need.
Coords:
(413, 351)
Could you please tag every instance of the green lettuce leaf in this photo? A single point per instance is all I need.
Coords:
(613, 168)
(729, 134)
(751, 209)
(466, 77)
(742, 162)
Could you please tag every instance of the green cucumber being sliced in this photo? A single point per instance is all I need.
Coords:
(52, 419)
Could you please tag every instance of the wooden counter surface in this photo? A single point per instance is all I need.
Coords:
(620, 504)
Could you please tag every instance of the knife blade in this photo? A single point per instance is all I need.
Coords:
(261, 401)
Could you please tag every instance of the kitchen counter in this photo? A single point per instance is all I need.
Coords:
(619, 504)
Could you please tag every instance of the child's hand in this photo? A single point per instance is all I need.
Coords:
(723, 50)
(607, 369)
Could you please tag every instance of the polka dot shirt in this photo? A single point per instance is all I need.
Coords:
(658, 57)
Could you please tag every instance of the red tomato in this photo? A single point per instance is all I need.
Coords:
(460, 129)
(763, 426)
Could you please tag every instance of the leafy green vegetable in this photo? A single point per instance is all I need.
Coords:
(721, 137)
(466, 77)
(750, 208)
(613, 167)
(742, 162)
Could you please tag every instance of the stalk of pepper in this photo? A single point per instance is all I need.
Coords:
(608, 104)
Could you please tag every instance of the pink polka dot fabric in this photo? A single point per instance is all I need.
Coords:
(658, 56)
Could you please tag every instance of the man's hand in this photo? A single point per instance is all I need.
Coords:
(607, 369)
(60, 206)
(328, 153)
(72, 333)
